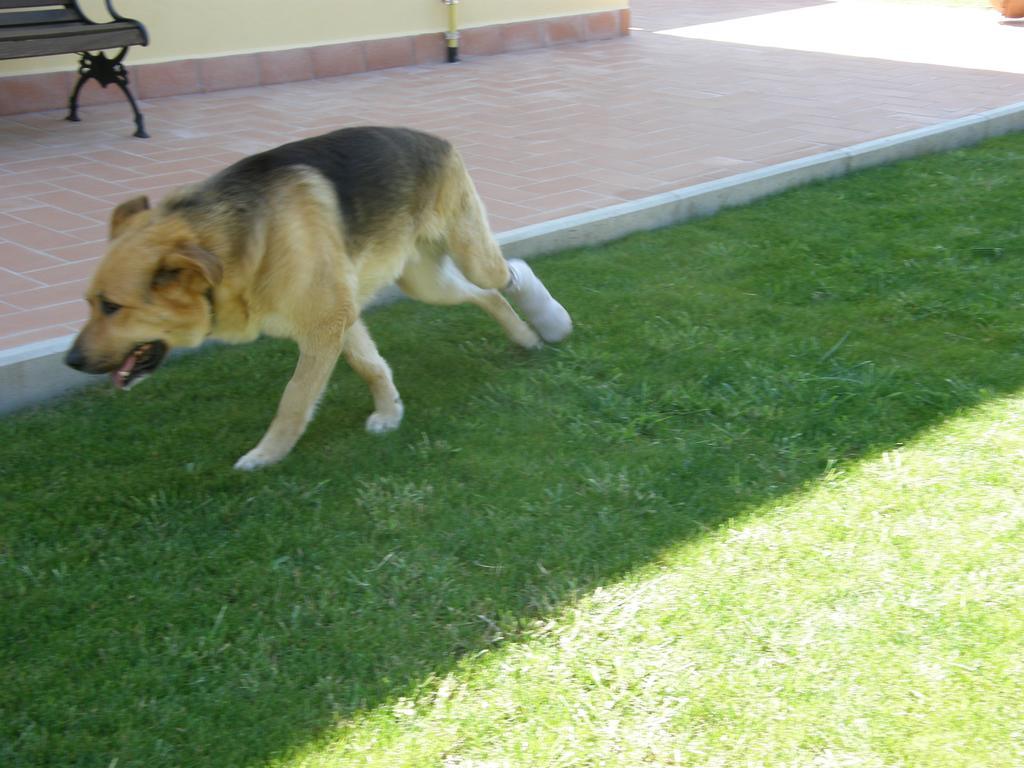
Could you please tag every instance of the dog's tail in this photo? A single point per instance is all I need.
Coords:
(470, 242)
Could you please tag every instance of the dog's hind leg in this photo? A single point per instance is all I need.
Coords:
(436, 280)
(473, 248)
(477, 254)
(362, 355)
(317, 357)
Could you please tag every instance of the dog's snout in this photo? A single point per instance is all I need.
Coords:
(74, 358)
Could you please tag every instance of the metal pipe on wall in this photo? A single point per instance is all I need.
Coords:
(452, 35)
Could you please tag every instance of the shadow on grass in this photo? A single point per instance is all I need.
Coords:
(161, 609)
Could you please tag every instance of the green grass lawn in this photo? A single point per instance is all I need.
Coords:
(763, 508)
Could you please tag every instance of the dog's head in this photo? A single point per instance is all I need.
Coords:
(150, 293)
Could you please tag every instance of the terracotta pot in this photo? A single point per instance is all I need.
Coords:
(1011, 9)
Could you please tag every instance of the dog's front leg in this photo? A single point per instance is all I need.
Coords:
(362, 355)
(316, 361)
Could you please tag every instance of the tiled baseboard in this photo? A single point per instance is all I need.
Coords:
(35, 93)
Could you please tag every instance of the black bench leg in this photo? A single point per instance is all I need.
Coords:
(105, 72)
(140, 127)
(73, 103)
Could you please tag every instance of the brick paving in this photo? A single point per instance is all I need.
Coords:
(546, 133)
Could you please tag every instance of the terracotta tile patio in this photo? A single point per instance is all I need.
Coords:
(546, 133)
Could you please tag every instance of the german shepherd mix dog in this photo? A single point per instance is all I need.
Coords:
(294, 242)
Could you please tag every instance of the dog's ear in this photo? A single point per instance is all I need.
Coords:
(126, 211)
(190, 267)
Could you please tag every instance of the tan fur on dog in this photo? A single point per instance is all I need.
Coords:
(294, 243)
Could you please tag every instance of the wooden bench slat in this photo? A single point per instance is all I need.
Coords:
(56, 16)
(30, 4)
(63, 30)
(83, 38)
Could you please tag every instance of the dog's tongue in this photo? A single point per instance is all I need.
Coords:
(120, 376)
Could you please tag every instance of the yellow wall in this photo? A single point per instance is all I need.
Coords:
(185, 29)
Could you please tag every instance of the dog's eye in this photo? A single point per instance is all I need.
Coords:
(108, 307)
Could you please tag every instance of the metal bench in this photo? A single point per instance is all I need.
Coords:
(41, 28)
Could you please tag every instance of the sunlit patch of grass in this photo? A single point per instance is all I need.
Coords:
(874, 618)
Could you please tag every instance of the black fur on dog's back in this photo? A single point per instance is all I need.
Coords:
(375, 172)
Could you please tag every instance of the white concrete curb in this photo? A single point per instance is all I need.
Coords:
(33, 373)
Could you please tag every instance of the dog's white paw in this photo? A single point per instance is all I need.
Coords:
(255, 459)
(378, 423)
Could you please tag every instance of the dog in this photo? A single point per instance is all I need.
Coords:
(294, 242)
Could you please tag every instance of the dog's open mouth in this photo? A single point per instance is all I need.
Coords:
(141, 362)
